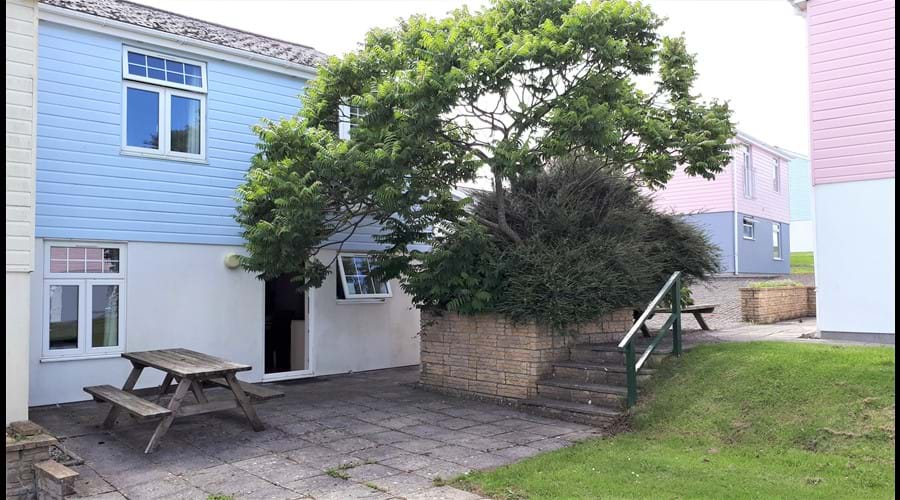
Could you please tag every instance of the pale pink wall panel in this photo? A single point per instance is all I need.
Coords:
(686, 194)
(766, 202)
(852, 103)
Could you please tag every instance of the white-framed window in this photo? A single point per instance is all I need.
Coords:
(776, 176)
(163, 106)
(83, 311)
(348, 117)
(748, 173)
(356, 278)
(776, 241)
(161, 69)
(749, 228)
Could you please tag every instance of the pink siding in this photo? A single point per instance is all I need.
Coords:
(765, 202)
(686, 194)
(851, 73)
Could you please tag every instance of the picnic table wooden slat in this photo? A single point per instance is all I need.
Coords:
(185, 363)
(137, 406)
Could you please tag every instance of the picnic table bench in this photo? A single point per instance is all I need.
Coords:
(190, 371)
(698, 310)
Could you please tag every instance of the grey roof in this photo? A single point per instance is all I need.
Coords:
(176, 24)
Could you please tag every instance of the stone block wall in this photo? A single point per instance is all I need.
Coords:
(771, 305)
(487, 356)
(28, 446)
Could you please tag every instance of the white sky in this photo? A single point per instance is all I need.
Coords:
(751, 53)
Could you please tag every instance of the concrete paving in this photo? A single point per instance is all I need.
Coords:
(367, 435)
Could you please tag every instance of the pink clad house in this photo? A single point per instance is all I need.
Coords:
(852, 106)
(745, 210)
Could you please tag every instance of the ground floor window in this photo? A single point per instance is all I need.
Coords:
(357, 280)
(83, 300)
(776, 241)
(749, 227)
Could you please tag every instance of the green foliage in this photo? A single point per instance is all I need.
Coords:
(775, 284)
(511, 87)
(591, 244)
(741, 420)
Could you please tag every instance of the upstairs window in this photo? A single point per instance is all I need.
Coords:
(163, 106)
(357, 281)
(348, 118)
(748, 173)
(776, 176)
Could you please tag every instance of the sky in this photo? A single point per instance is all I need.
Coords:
(751, 53)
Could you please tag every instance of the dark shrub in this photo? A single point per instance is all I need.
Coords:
(592, 243)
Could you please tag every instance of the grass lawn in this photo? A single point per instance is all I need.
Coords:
(802, 263)
(755, 420)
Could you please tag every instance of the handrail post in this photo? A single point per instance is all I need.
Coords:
(631, 375)
(676, 310)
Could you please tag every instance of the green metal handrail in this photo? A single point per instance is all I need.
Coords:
(632, 365)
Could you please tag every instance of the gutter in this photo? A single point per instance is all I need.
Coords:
(61, 15)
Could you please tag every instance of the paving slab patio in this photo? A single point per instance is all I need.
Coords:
(364, 435)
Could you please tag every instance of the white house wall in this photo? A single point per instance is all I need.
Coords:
(855, 258)
(176, 295)
(356, 336)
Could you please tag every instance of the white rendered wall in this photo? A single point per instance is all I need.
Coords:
(855, 256)
(17, 346)
(803, 236)
(353, 336)
(177, 295)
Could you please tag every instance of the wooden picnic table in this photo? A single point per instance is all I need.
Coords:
(696, 309)
(191, 371)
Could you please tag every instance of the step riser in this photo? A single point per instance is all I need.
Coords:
(611, 357)
(570, 416)
(596, 376)
(581, 396)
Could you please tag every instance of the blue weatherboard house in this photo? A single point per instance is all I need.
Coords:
(803, 235)
(143, 133)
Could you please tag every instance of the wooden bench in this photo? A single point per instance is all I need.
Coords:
(133, 404)
(257, 392)
(697, 310)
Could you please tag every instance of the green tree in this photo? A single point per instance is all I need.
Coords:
(509, 87)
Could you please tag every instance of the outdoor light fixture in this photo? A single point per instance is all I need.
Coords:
(232, 261)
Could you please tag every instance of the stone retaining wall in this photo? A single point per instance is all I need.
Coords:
(771, 305)
(487, 356)
(30, 446)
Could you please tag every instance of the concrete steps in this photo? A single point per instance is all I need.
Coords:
(591, 388)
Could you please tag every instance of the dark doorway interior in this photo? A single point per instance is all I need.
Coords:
(285, 338)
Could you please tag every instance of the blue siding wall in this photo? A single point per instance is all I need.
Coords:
(755, 256)
(718, 226)
(801, 189)
(87, 189)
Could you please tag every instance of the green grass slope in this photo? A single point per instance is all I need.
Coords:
(757, 420)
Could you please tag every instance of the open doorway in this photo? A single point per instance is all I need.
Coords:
(286, 331)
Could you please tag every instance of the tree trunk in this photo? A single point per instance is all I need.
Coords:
(500, 195)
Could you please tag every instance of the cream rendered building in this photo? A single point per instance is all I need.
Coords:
(21, 57)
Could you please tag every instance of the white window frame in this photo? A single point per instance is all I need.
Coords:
(345, 120)
(776, 179)
(342, 276)
(165, 126)
(748, 173)
(748, 222)
(84, 282)
(776, 237)
(163, 83)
